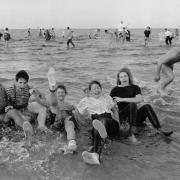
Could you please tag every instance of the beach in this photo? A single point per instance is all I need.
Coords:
(155, 158)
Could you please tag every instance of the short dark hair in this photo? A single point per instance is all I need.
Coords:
(22, 74)
(94, 82)
(61, 86)
(67, 27)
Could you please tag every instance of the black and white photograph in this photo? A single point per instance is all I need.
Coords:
(89, 90)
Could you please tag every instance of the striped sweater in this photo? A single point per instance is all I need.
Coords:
(18, 97)
(3, 99)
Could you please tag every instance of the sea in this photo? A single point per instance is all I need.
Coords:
(99, 59)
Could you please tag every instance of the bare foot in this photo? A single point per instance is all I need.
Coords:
(91, 158)
(133, 140)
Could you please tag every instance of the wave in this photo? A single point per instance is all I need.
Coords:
(39, 79)
(142, 63)
(4, 80)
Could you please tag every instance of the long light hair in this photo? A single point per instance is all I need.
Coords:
(126, 70)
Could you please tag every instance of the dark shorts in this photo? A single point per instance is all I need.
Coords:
(58, 125)
(7, 36)
(170, 66)
(28, 114)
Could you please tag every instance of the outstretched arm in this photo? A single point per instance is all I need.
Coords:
(137, 99)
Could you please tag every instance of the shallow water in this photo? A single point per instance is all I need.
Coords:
(154, 158)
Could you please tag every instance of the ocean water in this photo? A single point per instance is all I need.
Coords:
(91, 59)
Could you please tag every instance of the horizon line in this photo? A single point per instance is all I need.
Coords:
(92, 28)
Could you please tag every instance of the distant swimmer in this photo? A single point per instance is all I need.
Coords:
(40, 33)
(90, 35)
(165, 64)
(7, 35)
(69, 36)
(53, 34)
(168, 36)
(125, 35)
(47, 35)
(1, 35)
(29, 32)
(97, 34)
(147, 33)
(128, 35)
(176, 32)
(121, 26)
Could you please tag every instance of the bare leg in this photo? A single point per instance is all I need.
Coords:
(72, 44)
(69, 127)
(41, 111)
(16, 116)
(70, 130)
(22, 122)
(169, 77)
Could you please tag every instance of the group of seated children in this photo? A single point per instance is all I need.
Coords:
(97, 114)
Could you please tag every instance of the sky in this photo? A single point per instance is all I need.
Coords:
(20, 14)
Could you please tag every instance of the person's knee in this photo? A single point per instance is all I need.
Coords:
(11, 112)
(147, 106)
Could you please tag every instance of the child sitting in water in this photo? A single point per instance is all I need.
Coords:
(60, 112)
(62, 115)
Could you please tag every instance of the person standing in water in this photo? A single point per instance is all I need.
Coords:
(53, 34)
(47, 35)
(147, 33)
(1, 35)
(29, 32)
(69, 36)
(168, 36)
(7, 36)
(165, 64)
(40, 33)
(176, 33)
